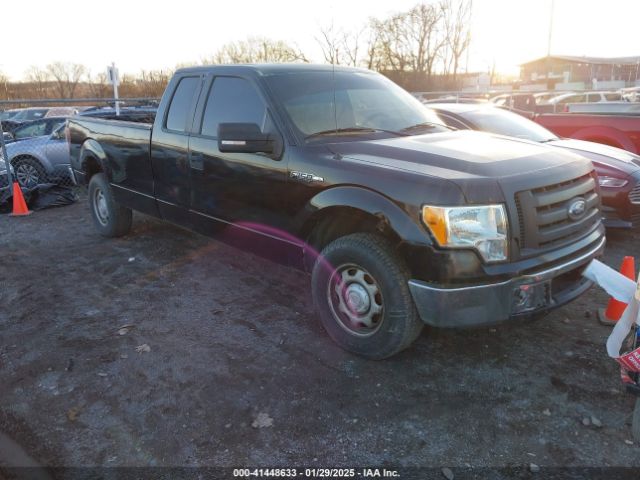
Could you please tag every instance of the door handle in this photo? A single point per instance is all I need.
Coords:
(196, 160)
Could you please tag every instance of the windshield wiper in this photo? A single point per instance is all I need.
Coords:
(338, 131)
(424, 125)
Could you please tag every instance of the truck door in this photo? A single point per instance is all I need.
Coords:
(170, 147)
(236, 188)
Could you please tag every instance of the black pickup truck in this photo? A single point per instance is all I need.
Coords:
(400, 220)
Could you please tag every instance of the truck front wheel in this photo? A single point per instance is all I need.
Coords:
(360, 292)
(110, 218)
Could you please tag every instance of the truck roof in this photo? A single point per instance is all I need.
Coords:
(271, 68)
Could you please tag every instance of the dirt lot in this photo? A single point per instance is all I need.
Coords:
(234, 345)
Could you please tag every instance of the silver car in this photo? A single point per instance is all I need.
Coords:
(40, 159)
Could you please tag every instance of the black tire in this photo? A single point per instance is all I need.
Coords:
(362, 274)
(635, 422)
(29, 172)
(110, 218)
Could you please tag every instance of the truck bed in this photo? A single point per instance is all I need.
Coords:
(121, 147)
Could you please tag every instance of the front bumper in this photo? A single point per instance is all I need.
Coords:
(492, 303)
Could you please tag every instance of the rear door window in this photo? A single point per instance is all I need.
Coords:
(232, 100)
(178, 115)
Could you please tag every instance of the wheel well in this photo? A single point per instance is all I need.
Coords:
(91, 166)
(333, 223)
(17, 158)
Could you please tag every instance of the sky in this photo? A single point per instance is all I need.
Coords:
(142, 34)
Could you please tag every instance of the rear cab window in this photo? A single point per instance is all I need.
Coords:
(178, 114)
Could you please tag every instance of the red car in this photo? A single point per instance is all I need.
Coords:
(618, 170)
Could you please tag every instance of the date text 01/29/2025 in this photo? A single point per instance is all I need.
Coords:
(315, 473)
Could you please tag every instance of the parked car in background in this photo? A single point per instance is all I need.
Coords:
(8, 114)
(615, 130)
(35, 113)
(32, 113)
(139, 113)
(542, 98)
(523, 102)
(631, 94)
(62, 112)
(585, 97)
(36, 128)
(40, 159)
(618, 170)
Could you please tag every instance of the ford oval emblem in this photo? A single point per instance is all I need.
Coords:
(577, 209)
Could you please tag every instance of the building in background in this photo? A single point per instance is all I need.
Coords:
(562, 72)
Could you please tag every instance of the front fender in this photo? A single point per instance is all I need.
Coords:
(404, 223)
(33, 153)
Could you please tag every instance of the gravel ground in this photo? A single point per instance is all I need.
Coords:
(222, 363)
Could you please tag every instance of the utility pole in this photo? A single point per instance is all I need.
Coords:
(3, 150)
(114, 79)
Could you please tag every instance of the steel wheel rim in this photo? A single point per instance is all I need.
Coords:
(100, 206)
(355, 299)
(27, 175)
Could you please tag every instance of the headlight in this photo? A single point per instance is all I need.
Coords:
(614, 182)
(483, 228)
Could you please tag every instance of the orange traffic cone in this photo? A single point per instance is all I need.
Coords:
(19, 205)
(615, 308)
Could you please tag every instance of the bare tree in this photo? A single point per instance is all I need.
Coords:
(98, 86)
(67, 76)
(39, 79)
(330, 42)
(457, 19)
(257, 50)
(151, 83)
(425, 36)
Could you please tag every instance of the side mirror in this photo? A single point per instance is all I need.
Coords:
(245, 138)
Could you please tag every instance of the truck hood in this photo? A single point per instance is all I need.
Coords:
(457, 155)
(602, 156)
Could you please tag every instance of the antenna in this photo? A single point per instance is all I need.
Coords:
(333, 79)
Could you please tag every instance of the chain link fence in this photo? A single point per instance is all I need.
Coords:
(36, 145)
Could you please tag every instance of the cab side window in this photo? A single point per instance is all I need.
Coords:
(232, 100)
(181, 104)
(34, 130)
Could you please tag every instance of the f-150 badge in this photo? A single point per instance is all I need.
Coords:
(305, 177)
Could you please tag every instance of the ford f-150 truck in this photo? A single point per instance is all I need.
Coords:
(400, 220)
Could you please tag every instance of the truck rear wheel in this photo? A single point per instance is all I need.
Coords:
(360, 292)
(110, 218)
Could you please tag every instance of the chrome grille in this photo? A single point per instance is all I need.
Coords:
(634, 195)
(544, 213)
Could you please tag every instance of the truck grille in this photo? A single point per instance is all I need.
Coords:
(543, 213)
(634, 195)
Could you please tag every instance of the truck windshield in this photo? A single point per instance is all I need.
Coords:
(503, 122)
(350, 104)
